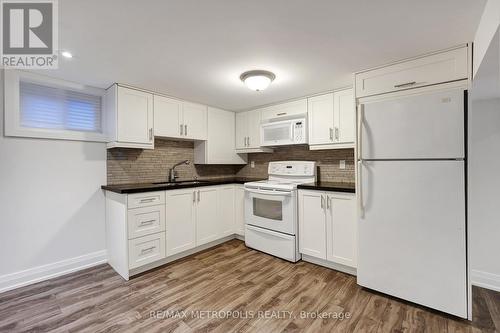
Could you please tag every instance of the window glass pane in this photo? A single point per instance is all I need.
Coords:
(57, 108)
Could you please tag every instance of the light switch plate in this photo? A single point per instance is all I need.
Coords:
(252, 164)
(342, 164)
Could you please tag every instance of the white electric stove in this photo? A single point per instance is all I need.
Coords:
(271, 208)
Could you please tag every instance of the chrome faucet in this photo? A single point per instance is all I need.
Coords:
(172, 174)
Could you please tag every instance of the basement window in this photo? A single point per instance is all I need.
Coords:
(40, 107)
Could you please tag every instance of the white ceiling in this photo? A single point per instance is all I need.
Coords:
(196, 50)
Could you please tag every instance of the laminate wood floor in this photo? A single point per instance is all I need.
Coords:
(228, 288)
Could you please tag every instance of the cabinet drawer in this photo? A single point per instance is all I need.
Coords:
(437, 68)
(145, 221)
(146, 199)
(284, 110)
(145, 250)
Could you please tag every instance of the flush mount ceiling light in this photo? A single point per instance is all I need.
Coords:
(257, 80)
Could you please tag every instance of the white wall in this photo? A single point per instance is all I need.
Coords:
(484, 192)
(51, 207)
(488, 25)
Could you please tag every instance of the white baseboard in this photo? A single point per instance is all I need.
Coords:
(485, 280)
(49, 271)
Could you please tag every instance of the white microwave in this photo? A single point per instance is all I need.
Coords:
(284, 132)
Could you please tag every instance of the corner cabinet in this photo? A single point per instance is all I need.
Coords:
(248, 132)
(332, 120)
(327, 228)
(219, 148)
(129, 117)
(178, 119)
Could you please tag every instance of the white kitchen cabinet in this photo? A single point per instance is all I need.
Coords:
(341, 231)
(444, 66)
(129, 115)
(284, 110)
(248, 132)
(327, 226)
(167, 117)
(219, 148)
(320, 119)
(208, 221)
(195, 121)
(226, 211)
(180, 221)
(332, 120)
(179, 119)
(239, 210)
(312, 224)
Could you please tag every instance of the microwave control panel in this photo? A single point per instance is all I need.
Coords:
(299, 131)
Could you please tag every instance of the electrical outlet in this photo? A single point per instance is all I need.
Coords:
(252, 164)
(342, 164)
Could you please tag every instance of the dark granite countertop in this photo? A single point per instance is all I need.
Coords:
(329, 186)
(149, 187)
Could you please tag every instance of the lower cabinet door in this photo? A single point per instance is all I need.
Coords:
(239, 210)
(180, 221)
(207, 221)
(145, 250)
(341, 229)
(312, 223)
(226, 210)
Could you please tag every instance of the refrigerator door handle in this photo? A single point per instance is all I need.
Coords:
(360, 123)
(361, 208)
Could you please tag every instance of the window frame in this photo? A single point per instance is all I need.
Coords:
(12, 111)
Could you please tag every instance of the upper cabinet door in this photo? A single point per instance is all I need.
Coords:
(195, 121)
(241, 130)
(134, 116)
(254, 129)
(320, 118)
(344, 116)
(167, 116)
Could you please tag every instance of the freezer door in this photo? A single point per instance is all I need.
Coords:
(412, 232)
(417, 126)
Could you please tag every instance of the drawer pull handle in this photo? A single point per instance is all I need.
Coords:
(149, 249)
(407, 84)
(147, 222)
(148, 200)
(281, 114)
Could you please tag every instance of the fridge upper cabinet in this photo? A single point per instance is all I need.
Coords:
(130, 117)
(450, 65)
(416, 126)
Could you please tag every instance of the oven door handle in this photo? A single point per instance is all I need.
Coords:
(271, 192)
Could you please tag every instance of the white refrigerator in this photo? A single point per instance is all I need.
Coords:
(412, 197)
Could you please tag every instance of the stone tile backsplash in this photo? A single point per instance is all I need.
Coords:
(126, 165)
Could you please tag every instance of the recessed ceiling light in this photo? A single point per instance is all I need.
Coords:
(66, 54)
(257, 80)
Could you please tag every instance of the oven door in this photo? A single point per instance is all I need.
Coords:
(271, 209)
(277, 133)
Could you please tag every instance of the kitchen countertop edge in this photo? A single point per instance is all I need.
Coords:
(329, 186)
(150, 187)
